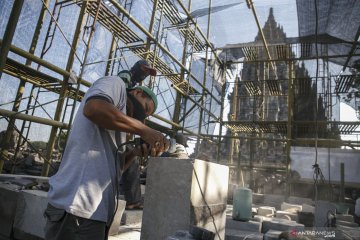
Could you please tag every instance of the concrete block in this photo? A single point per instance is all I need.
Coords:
(272, 235)
(345, 217)
(308, 208)
(253, 226)
(280, 225)
(300, 200)
(231, 234)
(8, 201)
(29, 220)
(290, 207)
(114, 228)
(174, 197)
(266, 211)
(287, 215)
(273, 200)
(321, 211)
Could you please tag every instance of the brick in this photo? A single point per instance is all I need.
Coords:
(173, 200)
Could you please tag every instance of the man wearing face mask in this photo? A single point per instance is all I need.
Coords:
(82, 193)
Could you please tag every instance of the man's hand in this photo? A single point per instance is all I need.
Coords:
(156, 140)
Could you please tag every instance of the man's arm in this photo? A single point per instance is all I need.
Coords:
(107, 116)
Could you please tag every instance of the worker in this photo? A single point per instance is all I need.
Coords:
(82, 193)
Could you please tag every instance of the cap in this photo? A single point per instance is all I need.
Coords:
(148, 92)
(181, 139)
(146, 65)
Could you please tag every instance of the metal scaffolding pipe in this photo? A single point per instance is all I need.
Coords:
(151, 37)
(26, 117)
(42, 62)
(9, 34)
(209, 44)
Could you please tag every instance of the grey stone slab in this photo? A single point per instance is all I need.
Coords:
(174, 197)
(8, 202)
(29, 220)
(345, 223)
(321, 211)
(231, 234)
(354, 232)
(272, 235)
(114, 228)
(253, 226)
(345, 217)
(280, 225)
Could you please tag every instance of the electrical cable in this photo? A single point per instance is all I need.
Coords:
(117, 169)
(317, 170)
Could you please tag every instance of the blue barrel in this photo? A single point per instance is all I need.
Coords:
(242, 204)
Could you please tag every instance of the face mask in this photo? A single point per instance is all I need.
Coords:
(137, 75)
(138, 110)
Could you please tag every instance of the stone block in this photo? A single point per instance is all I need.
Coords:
(8, 201)
(29, 220)
(287, 215)
(290, 207)
(321, 212)
(345, 223)
(253, 226)
(266, 211)
(280, 225)
(174, 198)
(272, 235)
(308, 208)
(231, 234)
(273, 200)
(114, 228)
(345, 217)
